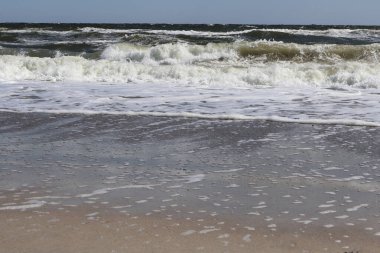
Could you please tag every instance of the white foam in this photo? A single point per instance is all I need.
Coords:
(39, 30)
(198, 33)
(240, 53)
(247, 238)
(326, 205)
(228, 100)
(228, 171)
(179, 53)
(305, 222)
(188, 232)
(106, 190)
(188, 64)
(195, 178)
(233, 186)
(92, 214)
(27, 205)
(206, 231)
(165, 32)
(347, 179)
(50, 197)
(260, 207)
(356, 208)
(332, 168)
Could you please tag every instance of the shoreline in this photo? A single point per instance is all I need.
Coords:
(164, 184)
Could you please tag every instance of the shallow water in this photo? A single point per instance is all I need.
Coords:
(263, 174)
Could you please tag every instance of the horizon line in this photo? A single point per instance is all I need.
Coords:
(180, 23)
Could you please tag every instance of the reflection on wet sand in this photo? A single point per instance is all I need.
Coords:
(102, 183)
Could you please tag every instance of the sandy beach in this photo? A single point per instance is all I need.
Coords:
(113, 183)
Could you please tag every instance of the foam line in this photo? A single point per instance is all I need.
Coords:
(27, 205)
(106, 190)
(344, 122)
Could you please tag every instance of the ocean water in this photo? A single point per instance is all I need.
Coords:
(307, 74)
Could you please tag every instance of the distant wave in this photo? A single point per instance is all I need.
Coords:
(316, 53)
(167, 32)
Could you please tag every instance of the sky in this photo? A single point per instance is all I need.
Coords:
(360, 12)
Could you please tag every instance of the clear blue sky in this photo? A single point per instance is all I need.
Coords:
(193, 11)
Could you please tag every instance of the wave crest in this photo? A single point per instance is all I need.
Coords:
(178, 53)
(183, 53)
(75, 68)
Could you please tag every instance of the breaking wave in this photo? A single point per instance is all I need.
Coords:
(305, 74)
(148, 66)
(230, 64)
(259, 51)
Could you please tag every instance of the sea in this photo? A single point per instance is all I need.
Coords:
(304, 74)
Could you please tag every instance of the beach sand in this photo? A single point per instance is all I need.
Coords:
(112, 183)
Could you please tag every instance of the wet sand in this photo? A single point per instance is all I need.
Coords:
(103, 183)
(70, 231)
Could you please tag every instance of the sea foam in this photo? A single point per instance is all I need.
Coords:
(76, 68)
(308, 105)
